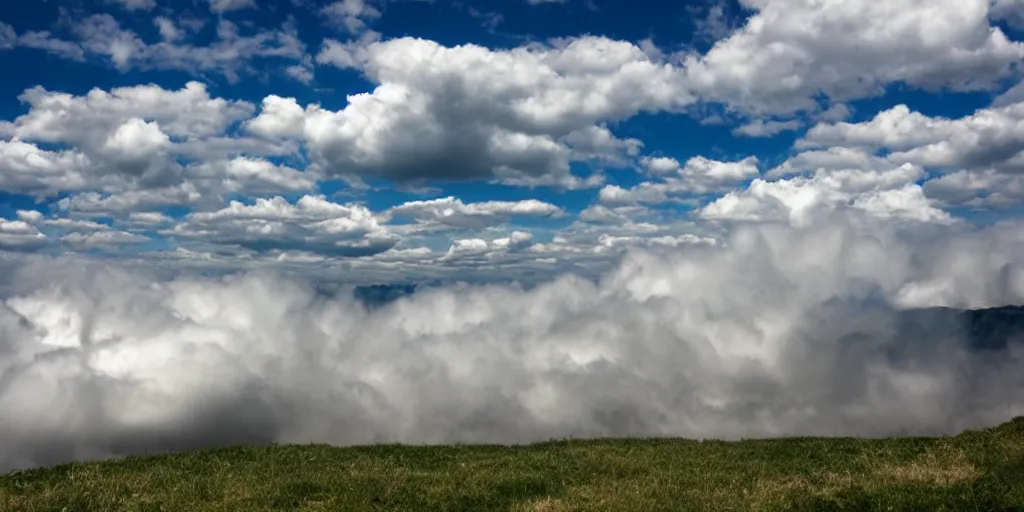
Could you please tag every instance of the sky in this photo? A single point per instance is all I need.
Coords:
(643, 217)
(390, 140)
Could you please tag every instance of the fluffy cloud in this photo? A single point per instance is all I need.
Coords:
(125, 203)
(471, 112)
(889, 194)
(132, 141)
(831, 159)
(311, 223)
(699, 176)
(760, 128)
(453, 212)
(17, 234)
(801, 329)
(791, 51)
(78, 234)
(26, 169)
(990, 137)
(982, 189)
(251, 176)
(102, 238)
(90, 118)
(467, 248)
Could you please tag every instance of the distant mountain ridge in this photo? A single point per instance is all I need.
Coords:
(985, 329)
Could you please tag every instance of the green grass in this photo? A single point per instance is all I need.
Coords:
(975, 471)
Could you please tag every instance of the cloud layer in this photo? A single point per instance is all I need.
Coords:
(779, 331)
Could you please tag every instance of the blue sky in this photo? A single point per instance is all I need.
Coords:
(504, 135)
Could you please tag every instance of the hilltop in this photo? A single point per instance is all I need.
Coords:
(976, 470)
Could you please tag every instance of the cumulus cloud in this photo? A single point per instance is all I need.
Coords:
(471, 112)
(311, 223)
(18, 234)
(700, 175)
(790, 51)
(125, 203)
(778, 331)
(453, 212)
(27, 169)
(102, 239)
(761, 128)
(888, 194)
(981, 189)
(133, 141)
(66, 118)
(988, 137)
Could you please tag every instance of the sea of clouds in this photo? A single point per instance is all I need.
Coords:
(778, 330)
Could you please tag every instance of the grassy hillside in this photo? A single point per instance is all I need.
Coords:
(977, 470)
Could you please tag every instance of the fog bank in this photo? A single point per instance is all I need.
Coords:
(777, 331)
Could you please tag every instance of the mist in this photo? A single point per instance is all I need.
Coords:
(776, 331)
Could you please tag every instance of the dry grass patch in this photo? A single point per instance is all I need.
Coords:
(543, 505)
(948, 466)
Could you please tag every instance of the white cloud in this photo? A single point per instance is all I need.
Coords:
(759, 326)
(1011, 11)
(890, 194)
(101, 37)
(278, 118)
(989, 137)
(792, 50)
(471, 112)
(19, 235)
(453, 212)
(134, 139)
(761, 128)
(493, 250)
(26, 169)
(837, 112)
(311, 223)
(224, 6)
(983, 189)
(124, 203)
(251, 176)
(66, 118)
(612, 241)
(135, 5)
(699, 176)
(168, 31)
(148, 219)
(1012, 96)
(8, 37)
(830, 159)
(350, 15)
(102, 239)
